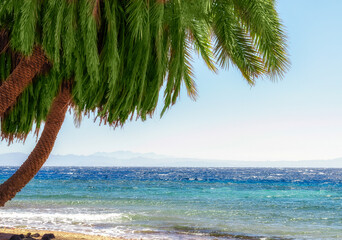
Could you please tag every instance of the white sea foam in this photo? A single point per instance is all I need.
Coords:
(65, 217)
(81, 220)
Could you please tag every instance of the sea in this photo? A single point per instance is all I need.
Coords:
(181, 203)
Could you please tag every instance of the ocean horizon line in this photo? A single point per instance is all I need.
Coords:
(132, 159)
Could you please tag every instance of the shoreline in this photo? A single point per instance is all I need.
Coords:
(7, 232)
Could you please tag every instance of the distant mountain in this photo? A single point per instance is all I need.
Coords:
(12, 159)
(131, 159)
(129, 155)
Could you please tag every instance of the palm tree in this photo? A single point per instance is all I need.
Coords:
(112, 57)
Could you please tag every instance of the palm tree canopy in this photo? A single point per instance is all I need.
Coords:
(119, 54)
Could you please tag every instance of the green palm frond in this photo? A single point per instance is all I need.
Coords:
(200, 35)
(137, 14)
(260, 19)
(233, 44)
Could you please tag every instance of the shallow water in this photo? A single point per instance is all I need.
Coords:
(181, 203)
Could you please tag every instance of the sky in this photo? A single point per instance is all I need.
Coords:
(296, 118)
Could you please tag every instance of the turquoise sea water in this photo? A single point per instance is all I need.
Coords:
(181, 203)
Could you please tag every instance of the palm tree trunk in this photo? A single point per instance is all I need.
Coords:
(42, 150)
(20, 78)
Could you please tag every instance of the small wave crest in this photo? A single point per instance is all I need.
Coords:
(88, 221)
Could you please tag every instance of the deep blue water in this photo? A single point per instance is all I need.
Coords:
(181, 203)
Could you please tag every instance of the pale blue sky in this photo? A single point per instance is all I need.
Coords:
(297, 118)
